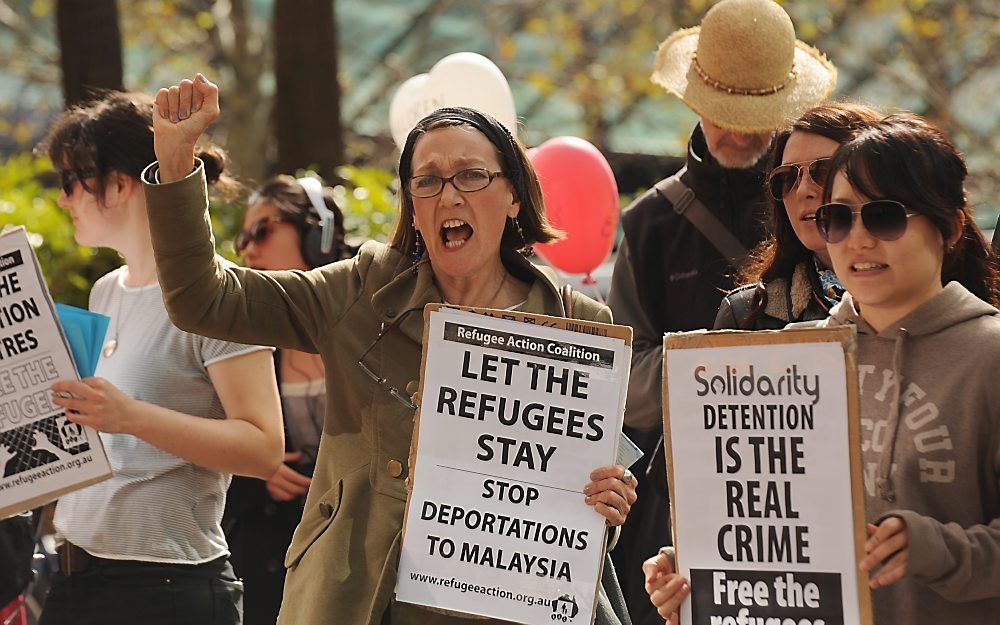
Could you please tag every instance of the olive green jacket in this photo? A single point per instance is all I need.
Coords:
(343, 558)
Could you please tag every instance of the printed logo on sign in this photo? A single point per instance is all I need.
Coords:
(565, 609)
(72, 434)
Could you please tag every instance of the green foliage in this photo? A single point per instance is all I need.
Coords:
(227, 221)
(69, 269)
(368, 199)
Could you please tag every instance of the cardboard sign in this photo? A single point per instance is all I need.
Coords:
(761, 436)
(42, 453)
(513, 418)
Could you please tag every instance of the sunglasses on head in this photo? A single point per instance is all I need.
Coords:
(784, 178)
(883, 219)
(69, 177)
(257, 233)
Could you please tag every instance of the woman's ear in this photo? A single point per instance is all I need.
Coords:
(119, 188)
(515, 205)
(958, 232)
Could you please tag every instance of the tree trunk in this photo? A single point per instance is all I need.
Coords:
(307, 95)
(243, 48)
(90, 46)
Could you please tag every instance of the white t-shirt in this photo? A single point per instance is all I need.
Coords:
(157, 507)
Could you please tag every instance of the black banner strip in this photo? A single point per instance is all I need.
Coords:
(529, 345)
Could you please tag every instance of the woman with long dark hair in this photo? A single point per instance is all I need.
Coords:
(178, 413)
(788, 277)
(922, 286)
(284, 227)
(471, 205)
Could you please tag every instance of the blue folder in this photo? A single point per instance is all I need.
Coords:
(85, 332)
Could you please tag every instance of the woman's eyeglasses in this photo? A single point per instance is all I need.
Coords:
(883, 219)
(257, 233)
(69, 177)
(784, 178)
(398, 395)
(429, 185)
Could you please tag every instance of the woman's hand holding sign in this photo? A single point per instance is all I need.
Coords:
(666, 589)
(612, 492)
(96, 403)
(888, 550)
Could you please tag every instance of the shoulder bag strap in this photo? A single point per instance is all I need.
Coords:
(567, 297)
(685, 203)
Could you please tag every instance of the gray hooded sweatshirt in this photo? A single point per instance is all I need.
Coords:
(931, 453)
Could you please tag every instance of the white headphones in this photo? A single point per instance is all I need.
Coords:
(314, 190)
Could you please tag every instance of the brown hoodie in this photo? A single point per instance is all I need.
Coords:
(931, 454)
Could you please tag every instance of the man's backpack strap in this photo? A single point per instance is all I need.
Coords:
(685, 203)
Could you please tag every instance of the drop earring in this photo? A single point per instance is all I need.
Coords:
(524, 248)
(418, 247)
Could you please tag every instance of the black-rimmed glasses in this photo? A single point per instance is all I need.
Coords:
(400, 396)
(429, 185)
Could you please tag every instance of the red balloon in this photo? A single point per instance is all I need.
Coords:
(581, 200)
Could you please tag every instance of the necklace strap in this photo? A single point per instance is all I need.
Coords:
(493, 299)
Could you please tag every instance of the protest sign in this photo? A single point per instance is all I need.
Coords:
(514, 415)
(761, 434)
(42, 453)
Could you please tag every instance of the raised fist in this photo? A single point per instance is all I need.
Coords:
(181, 114)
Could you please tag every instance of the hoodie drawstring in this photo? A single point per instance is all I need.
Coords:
(884, 481)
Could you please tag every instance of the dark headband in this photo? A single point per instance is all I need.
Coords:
(497, 133)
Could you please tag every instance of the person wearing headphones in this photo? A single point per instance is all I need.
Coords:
(289, 224)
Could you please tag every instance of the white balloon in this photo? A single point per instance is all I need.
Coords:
(460, 79)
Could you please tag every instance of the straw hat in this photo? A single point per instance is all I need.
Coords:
(743, 69)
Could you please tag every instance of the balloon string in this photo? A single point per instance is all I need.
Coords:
(588, 280)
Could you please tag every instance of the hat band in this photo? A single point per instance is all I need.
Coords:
(720, 86)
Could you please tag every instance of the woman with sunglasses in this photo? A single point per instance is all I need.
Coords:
(922, 285)
(921, 288)
(470, 204)
(178, 413)
(283, 228)
(788, 277)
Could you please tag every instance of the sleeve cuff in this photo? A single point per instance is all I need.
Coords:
(178, 212)
(151, 175)
(927, 561)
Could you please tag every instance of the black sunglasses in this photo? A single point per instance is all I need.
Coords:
(256, 233)
(69, 177)
(784, 178)
(883, 219)
(397, 394)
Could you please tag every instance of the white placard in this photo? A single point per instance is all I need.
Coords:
(765, 511)
(42, 454)
(513, 419)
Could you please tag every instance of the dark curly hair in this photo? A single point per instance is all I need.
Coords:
(114, 133)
